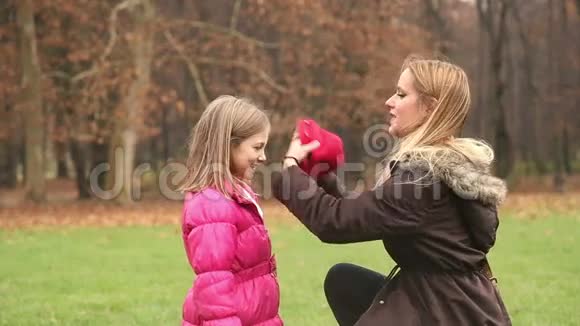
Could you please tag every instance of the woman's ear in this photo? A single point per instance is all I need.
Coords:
(430, 103)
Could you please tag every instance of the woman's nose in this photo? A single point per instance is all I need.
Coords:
(389, 103)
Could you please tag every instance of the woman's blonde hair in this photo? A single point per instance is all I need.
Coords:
(444, 90)
(226, 122)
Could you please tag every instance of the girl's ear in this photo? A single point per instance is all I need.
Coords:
(235, 142)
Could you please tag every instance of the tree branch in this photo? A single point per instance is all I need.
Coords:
(484, 16)
(245, 66)
(235, 14)
(501, 33)
(528, 53)
(193, 70)
(228, 31)
(112, 40)
(57, 74)
(236, 64)
(434, 13)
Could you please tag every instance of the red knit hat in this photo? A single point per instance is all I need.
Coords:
(330, 151)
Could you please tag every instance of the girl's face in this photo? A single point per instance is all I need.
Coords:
(248, 155)
(404, 107)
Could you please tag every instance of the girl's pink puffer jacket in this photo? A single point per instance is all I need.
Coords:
(230, 251)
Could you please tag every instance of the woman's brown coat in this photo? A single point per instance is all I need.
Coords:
(437, 226)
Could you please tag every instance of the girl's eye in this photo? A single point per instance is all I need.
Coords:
(400, 95)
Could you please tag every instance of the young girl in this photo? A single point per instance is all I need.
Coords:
(225, 239)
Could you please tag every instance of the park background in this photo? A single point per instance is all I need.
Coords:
(98, 98)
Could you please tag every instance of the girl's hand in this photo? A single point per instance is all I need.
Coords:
(298, 151)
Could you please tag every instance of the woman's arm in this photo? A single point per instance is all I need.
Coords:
(332, 185)
(395, 208)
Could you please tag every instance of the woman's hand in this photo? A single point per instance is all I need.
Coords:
(298, 151)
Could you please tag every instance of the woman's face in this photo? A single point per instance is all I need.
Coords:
(248, 155)
(405, 110)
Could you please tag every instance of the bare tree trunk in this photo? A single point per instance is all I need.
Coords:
(31, 100)
(9, 151)
(553, 80)
(554, 84)
(60, 147)
(61, 151)
(7, 168)
(79, 144)
(124, 142)
(566, 157)
(438, 25)
(165, 135)
(493, 16)
(574, 147)
(513, 95)
(79, 152)
(564, 83)
(482, 73)
(530, 111)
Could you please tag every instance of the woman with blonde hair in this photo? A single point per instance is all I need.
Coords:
(434, 207)
(225, 239)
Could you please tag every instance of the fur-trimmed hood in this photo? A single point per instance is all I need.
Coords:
(468, 180)
(482, 192)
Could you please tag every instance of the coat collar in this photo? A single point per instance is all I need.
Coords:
(468, 180)
(238, 195)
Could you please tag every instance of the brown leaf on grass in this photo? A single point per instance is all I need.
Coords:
(542, 205)
(91, 213)
(95, 213)
(152, 212)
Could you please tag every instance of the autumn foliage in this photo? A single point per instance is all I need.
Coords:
(135, 74)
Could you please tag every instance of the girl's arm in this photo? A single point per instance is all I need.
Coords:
(211, 249)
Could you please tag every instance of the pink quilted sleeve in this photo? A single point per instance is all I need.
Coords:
(211, 249)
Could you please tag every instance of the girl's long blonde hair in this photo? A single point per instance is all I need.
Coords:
(226, 122)
(444, 89)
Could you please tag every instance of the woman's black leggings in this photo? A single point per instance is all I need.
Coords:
(350, 290)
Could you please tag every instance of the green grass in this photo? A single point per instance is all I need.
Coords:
(139, 275)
